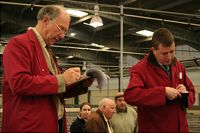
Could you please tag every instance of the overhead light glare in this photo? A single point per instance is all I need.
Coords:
(76, 13)
(96, 21)
(97, 45)
(72, 34)
(146, 33)
(105, 48)
(70, 57)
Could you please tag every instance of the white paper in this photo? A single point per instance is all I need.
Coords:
(102, 78)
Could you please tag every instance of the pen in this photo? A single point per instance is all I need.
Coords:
(180, 75)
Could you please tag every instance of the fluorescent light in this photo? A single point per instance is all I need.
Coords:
(105, 48)
(76, 13)
(86, 23)
(72, 34)
(97, 45)
(69, 57)
(146, 33)
(100, 46)
(94, 44)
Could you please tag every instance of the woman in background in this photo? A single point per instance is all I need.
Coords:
(78, 125)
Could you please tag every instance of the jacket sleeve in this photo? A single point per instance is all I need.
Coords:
(22, 71)
(75, 91)
(139, 94)
(190, 88)
(93, 126)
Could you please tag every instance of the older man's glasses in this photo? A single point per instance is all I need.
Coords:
(61, 30)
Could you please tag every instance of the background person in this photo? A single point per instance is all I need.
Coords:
(156, 91)
(78, 125)
(33, 87)
(125, 118)
(98, 121)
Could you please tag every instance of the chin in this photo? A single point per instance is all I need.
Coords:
(166, 63)
(52, 42)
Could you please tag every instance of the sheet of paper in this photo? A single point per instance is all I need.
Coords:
(101, 77)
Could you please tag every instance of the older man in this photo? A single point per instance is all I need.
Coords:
(33, 87)
(98, 121)
(125, 118)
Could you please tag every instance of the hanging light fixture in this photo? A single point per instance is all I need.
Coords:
(84, 66)
(96, 20)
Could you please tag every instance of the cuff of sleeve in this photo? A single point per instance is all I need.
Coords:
(61, 84)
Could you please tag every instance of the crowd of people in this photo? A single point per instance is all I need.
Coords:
(34, 88)
(110, 117)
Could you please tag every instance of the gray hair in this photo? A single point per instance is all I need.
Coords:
(104, 102)
(52, 11)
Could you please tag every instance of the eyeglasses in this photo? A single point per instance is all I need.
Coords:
(61, 30)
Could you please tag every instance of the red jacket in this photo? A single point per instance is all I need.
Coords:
(28, 87)
(146, 90)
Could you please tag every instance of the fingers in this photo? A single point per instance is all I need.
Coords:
(172, 93)
(71, 75)
(76, 69)
(82, 76)
(181, 88)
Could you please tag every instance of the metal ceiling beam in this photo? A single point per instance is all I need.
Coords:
(138, 23)
(81, 20)
(80, 35)
(85, 54)
(173, 4)
(126, 2)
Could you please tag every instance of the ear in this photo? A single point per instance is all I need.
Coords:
(45, 19)
(153, 50)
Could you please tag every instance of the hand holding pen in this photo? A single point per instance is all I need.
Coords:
(181, 88)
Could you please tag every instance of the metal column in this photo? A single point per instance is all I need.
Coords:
(121, 47)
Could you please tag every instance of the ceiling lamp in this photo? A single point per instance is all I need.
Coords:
(84, 66)
(96, 20)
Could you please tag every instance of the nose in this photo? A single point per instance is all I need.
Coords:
(62, 36)
(169, 56)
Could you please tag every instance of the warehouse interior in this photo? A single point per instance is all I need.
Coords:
(116, 45)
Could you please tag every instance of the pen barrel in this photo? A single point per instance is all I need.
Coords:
(180, 78)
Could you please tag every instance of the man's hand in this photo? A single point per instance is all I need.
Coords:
(172, 93)
(88, 82)
(71, 75)
(181, 88)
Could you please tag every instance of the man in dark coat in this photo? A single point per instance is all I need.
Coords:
(98, 121)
